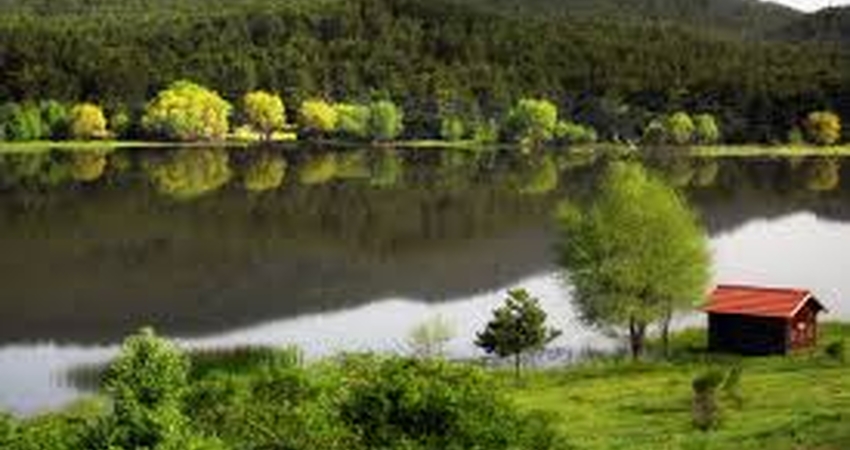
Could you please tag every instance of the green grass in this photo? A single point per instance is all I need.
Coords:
(799, 402)
(770, 150)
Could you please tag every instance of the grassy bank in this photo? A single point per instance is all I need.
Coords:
(424, 144)
(799, 402)
(770, 150)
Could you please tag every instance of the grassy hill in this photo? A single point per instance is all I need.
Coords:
(800, 402)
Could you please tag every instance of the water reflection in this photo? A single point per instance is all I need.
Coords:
(344, 249)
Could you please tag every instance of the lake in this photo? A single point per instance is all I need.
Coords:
(346, 250)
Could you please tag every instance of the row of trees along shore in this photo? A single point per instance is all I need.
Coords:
(186, 111)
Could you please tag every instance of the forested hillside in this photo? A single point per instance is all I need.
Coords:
(829, 26)
(750, 18)
(427, 56)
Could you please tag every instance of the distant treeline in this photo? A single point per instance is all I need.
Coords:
(428, 57)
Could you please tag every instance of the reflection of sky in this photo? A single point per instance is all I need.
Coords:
(812, 5)
(796, 250)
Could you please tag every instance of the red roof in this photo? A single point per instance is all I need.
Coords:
(758, 301)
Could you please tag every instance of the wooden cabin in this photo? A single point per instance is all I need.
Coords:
(751, 320)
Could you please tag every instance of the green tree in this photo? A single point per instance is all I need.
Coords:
(517, 327)
(87, 122)
(574, 134)
(679, 128)
(21, 122)
(431, 404)
(385, 120)
(265, 112)
(823, 127)
(146, 383)
(353, 120)
(318, 117)
(428, 339)
(55, 117)
(706, 130)
(634, 255)
(533, 121)
(188, 112)
(452, 128)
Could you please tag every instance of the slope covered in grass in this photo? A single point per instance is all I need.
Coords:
(799, 402)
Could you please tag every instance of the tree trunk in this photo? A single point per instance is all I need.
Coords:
(637, 333)
(517, 363)
(665, 331)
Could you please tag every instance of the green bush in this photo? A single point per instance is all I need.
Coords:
(706, 412)
(21, 122)
(573, 133)
(837, 350)
(433, 404)
(188, 112)
(385, 120)
(533, 121)
(452, 129)
(352, 120)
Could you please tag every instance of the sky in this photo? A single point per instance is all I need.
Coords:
(812, 5)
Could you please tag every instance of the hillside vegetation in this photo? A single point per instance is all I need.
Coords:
(427, 56)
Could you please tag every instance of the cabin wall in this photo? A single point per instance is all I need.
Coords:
(730, 333)
(804, 327)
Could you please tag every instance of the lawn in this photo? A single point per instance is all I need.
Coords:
(799, 402)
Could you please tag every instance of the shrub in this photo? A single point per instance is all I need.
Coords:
(433, 404)
(353, 120)
(573, 133)
(21, 122)
(706, 130)
(55, 117)
(317, 117)
(823, 127)
(265, 112)
(87, 122)
(452, 129)
(533, 121)
(187, 111)
(429, 338)
(706, 412)
(385, 120)
(837, 350)
(486, 131)
(679, 128)
(654, 133)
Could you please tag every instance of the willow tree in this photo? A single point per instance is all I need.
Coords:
(265, 112)
(634, 255)
(188, 112)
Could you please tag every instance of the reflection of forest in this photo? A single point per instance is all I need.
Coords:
(96, 244)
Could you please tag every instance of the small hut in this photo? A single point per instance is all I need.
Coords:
(753, 320)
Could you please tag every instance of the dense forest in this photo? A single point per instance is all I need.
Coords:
(428, 57)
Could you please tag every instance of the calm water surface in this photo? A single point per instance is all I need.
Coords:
(346, 250)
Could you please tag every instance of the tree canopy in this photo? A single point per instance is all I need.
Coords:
(634, 254)
(189, 112)
(517, 327)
